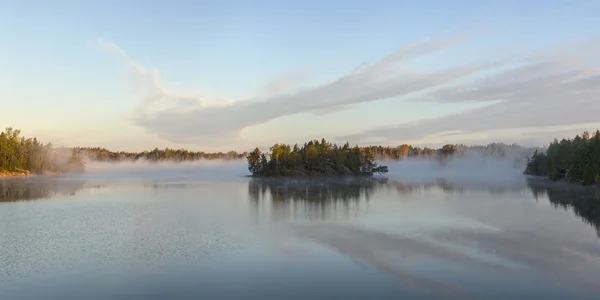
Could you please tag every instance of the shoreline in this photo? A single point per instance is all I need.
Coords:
(22, 174)
(561, 181)
(15, 174)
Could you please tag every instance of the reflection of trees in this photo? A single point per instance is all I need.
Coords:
(456, 188)
(409, 188)
(585, 201)
(23, 190)
(320, 198)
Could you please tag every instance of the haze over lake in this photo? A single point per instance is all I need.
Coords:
(207, 231)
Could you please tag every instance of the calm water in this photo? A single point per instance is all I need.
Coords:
(210, 233)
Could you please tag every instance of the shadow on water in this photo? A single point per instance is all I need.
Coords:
(14, 190)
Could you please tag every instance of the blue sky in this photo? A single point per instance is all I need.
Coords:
(236, 74)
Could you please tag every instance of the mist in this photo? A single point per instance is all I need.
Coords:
(471, 167)
(146, 169)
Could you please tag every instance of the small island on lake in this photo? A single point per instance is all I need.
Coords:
(314, 158)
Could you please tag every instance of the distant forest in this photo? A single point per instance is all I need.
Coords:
(22, 155)
(577, 160)
(176, 155)
(378, 152)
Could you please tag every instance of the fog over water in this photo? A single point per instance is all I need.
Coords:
(470, 228)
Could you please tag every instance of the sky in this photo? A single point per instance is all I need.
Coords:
(232, 75)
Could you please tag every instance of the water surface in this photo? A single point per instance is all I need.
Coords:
(211, 233)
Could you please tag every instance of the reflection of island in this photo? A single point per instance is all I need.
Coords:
(23, 190)
(585, 201)
(310, 198)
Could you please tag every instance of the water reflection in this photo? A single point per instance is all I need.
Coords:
(324, 198)
(450, 187)
(35, 189)
(584, 201)
(422, 259)
(436, 262)
(507, 244)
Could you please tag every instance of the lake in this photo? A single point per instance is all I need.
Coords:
(209, 232)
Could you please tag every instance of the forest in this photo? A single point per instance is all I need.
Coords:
(21, 156)
(576, 160)
(314, 158)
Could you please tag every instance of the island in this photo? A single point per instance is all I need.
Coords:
(314, 158)
(575, 160)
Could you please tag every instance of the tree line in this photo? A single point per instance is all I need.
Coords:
(403, 151)
(577, 160)
(28, 155)
(378, 152)
(177, 155)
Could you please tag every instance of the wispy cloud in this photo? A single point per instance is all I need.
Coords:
(557, 87)
(196, 119)
(549, 87)
(151, 88)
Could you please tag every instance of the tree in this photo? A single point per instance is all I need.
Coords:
(254, 162)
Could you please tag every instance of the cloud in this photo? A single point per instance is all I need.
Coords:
(152, 90)
(554, 86)
(286, 83)
(199, 120)
(558, 87)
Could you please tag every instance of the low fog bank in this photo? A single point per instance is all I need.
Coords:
(469, 168)
(209, 169)
(142, 164)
